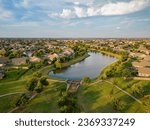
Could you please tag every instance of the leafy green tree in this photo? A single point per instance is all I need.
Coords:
(23, 99)
(118, 105)
(31, 84)
(39, 87)
(86, 80)
(37, 75)
(137, 90)
(43, 81)
(64, 109)
(58, 65)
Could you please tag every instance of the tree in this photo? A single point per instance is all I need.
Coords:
(31, 84)
(137, 90)
(86, 80)
(118, 105)
(64, 109)
(23, 99)
(43, 81)
(39, 87)
(58, 65)
(37, 75)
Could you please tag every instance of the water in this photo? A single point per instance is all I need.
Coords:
(90, 67)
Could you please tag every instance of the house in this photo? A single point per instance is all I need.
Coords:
(68, 52)
(144, 50)
(137, 55)
(147, 58)
(4, 61)
(19, 61)
(144, 72)
(53, 56)
(34, 59)
(141, 64)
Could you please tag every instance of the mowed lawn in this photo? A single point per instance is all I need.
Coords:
(99, 97)
(46, 102)
(7, 103)
(13, 86)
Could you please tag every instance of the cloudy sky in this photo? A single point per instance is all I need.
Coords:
(75, 18)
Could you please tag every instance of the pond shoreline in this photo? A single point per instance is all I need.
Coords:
(90, 68)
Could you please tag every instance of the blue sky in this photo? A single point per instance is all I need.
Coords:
(75, 18)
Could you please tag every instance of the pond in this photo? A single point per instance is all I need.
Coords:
(89, 67)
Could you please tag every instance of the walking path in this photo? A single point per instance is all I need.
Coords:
(117, 88)
(125, 92)
(10, 94)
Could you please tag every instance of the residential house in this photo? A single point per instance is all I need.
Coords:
(144, 50)
(144, 72)
(19, 61)
(147, 58)
(34, 59)
(53, 56)
(4, 61)
(68, 52)
(137, 55)
(141, 64)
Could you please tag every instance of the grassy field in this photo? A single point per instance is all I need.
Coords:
(46, 102)
(13, 75)
(7, 103)
(99, 97)
(13, 86)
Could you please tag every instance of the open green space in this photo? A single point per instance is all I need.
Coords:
(45, 101)
(7, 103)
(99, 97)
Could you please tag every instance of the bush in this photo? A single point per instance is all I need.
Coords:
(57, 65)
(86, 80)
(31, 84)
(118, 105)
(23, 99)
(43, 81)
(137, 90)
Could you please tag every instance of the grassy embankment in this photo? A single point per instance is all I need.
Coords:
(9, 86)
(99, 97)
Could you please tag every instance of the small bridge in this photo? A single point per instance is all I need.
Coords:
(73, 85)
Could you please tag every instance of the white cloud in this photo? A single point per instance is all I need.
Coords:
(122, 8)
(80, 12)
(66, 13)
(117, 8)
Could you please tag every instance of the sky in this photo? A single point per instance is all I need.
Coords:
(75, 18)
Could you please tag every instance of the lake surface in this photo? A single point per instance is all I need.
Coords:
(91, 67)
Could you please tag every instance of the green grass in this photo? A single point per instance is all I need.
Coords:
(99, 97)
(7, 103)
(13, 75)
(46, 102)
(13, 86)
